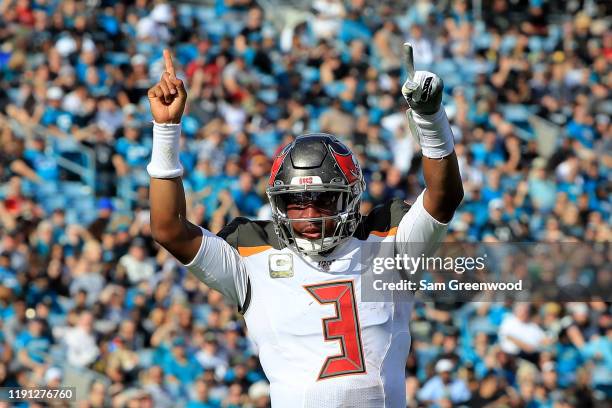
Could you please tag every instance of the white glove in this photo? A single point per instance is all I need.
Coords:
(423, 92)
(426, 117)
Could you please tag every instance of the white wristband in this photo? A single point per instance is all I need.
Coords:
(165, 161)
(434, 133)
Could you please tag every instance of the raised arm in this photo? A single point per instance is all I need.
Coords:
(429, 125)
(209, 257)
(169, 224)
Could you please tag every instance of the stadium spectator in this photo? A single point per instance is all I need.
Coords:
(136, 262)
(33, 345)
(519, 334)
(80, 340)
(443, 389)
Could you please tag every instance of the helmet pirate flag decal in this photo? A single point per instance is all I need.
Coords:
(347, 164)
(278, 162)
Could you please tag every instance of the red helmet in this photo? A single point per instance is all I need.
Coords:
(316, 168)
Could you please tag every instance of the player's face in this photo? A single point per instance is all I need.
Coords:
(313, 205)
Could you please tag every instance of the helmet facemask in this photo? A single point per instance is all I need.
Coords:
(339, 203)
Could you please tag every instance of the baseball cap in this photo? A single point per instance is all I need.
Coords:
(539, 163)
(55, 93)
(138, 59)
(122, 228)
(558, 56)
(178, 342)
(377, 176)
(105, 203)
(578, 308)
(66, 70)
(52, 374)
(66, 46)
(444, 365)
(259, 389)
(133, 124)
(162, 13)
(88, 45)
(130, 108)
(459, 225)
(602, 119)
(496, 204)
(552, 308)
(139, 242)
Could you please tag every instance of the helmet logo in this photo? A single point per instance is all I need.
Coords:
(276, 167)
(348, 165)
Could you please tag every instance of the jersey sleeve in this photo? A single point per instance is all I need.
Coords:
(219, 265)
(418, 232)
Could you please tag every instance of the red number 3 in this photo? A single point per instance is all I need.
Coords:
(344, 326)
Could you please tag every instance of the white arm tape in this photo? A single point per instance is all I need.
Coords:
(165, 161)
(434, 133)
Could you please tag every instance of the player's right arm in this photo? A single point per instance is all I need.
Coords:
(209, 257)
(169, 224)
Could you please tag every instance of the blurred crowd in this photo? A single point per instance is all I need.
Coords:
(87, 297)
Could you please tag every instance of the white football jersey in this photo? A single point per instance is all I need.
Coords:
(319, 344)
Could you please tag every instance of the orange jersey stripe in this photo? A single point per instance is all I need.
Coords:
(248, 251)
(391, 232)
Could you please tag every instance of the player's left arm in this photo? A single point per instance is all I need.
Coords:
(430, 126)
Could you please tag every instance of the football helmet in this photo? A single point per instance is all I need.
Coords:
(316, 168)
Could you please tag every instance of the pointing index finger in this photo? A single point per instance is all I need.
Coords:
(169, 64)
(409, 60)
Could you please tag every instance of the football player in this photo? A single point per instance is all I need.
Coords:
(294, 278)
